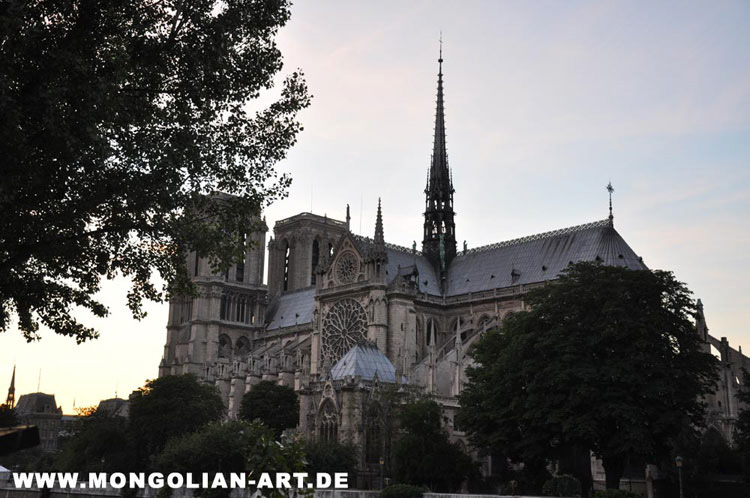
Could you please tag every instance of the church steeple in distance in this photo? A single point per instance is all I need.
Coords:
(10, 401)
(439, 243)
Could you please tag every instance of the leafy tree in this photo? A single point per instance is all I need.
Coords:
(169, 407)
(101, 443)
(605, 359)
(7, 416)
(233, 446)
(330, 457)
(121, 122)
(424, 455)
(742, 427)
(274, 405)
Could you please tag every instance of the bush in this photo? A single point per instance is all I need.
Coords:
(401, 491)
(564, 485)
(616, 493)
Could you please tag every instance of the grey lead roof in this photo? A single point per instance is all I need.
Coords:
(538, 258)
(402, 257)
(527, 260)
(292, 308)
(365, 360)
(428, 281)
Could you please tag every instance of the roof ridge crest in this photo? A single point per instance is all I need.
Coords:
(537, 236)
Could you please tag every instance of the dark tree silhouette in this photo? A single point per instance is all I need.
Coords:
(274, 405)
(606, 359)
(122, 122)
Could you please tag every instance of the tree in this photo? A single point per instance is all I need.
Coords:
(232, 447)
(331, 457)
(606, 359)
(124, 124)
(742, 427)
(101, 443)
(7, 416)
(169, 407)
(424, 455)
(274, 405)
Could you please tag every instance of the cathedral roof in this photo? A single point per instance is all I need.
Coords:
(538, 258)
(367, 361)
(292, 308)
(403, 257)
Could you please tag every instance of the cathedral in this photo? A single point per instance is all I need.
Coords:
(343, 316)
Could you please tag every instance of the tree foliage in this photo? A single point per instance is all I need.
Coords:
(169, 407)
(121, 123)
(742, 426)
(101, 443)
(331, 457)
(274, 405)
(7, 416)
(424, 455)
(231, 447)
(606, 359)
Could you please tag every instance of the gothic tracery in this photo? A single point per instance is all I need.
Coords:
(344, 325)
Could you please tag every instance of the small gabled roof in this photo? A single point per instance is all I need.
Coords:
(367, 361)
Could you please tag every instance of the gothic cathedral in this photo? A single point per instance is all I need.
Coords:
(344, 315)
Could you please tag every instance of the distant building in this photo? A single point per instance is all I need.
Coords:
(41, 410)
(117, 407)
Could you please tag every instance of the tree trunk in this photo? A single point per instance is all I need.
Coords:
(614, 467)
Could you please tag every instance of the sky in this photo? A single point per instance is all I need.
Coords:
(546, 102)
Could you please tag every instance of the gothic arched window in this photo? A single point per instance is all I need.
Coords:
(373, 435)
(315, 260)
(223, 308)
(328, 422)
(286, 265)
(225, 346)
(242, 348)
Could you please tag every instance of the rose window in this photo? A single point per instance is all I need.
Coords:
(344, 325)
(347, 267)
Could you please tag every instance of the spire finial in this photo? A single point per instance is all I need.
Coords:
(379, 235)
(379, 240)
(610, 189)
(440, 58)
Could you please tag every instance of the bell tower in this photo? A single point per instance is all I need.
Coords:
(439, 242)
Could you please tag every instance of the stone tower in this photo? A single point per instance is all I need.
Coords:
(207, 332)
(301, 244)
(439, 243)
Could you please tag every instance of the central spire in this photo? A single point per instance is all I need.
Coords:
(439, 243)
(440, 178)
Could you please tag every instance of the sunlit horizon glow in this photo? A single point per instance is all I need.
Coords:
(546, 102)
